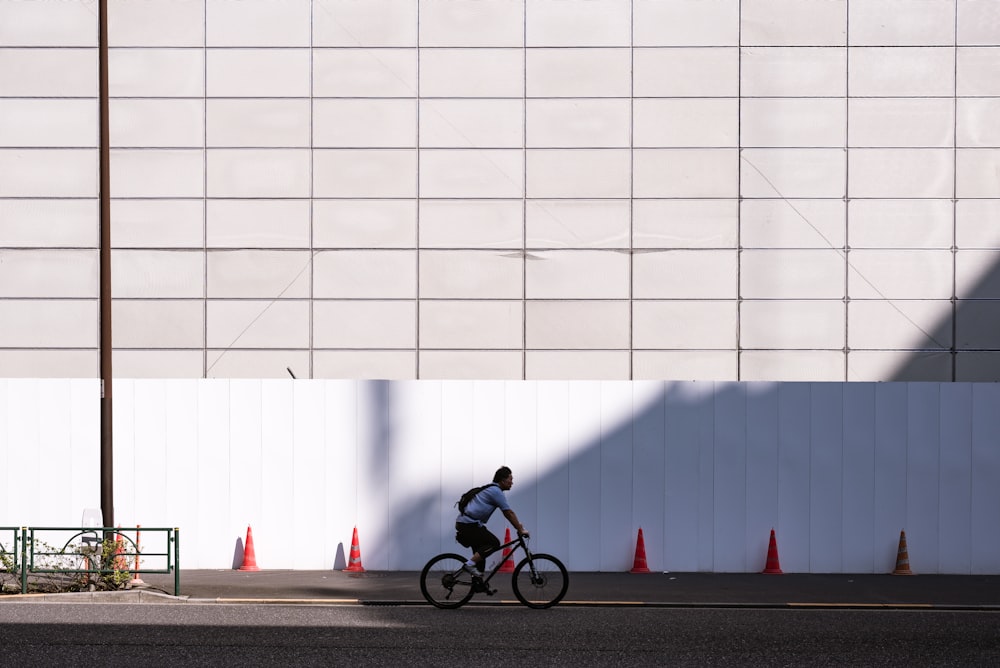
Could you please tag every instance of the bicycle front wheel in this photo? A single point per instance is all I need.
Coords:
(540, 582)
(443, 582)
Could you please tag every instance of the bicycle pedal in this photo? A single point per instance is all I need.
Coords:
(481, 587)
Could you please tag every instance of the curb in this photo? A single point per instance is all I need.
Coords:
(131, 596)
(155, 597)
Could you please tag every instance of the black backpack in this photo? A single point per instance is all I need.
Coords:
(463, 502)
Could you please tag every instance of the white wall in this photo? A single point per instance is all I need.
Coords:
(752, 190)
(705, 469)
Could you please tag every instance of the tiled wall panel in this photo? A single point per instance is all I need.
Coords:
(156, 72)
(48, 222)
(162, 223)
(42, 173)
(49, 273)
(49, 123)
(577, 224)
(158, 323)
(365, 323)
(256, 123)
(355, 274)
(344, 223)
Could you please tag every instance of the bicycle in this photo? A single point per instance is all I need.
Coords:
(539, 580)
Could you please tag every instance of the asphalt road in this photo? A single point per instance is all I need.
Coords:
(123, 634)
(684, 589)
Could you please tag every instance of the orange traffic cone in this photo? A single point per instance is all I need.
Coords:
(354, 563)
(119, 563)
(508, 566)
(772, 566)
(136, 580)
(249, 556)
(902, 557)
(639, 563)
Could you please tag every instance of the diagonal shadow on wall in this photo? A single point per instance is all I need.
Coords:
(708, 469)
(969, 335)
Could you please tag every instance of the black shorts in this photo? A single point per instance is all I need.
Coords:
(477, 537)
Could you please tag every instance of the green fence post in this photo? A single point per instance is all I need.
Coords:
(177, 561)
(24, 560)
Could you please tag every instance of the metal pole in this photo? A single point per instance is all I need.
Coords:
(24, 559)
(107, 460)
(177, 561)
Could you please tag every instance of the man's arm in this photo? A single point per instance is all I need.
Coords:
(516, 523)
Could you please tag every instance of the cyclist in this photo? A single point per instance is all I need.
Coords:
(470, 526)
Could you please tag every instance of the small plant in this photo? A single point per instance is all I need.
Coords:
(8, 571)
(110, 566)
(114, 565)
(84, 566)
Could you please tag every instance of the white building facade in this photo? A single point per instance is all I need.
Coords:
(505, 189)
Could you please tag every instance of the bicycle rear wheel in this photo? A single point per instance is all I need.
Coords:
(443, 582)
(545, 585)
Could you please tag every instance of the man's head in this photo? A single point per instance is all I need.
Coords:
(504, 478)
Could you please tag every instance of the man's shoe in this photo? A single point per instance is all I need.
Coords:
(480, 587)
(473, 571)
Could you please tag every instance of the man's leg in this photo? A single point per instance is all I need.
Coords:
(485, 545)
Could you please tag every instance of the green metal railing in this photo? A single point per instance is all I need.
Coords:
(92, 551)
(9, 549)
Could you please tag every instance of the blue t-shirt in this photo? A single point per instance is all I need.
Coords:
(483, 504)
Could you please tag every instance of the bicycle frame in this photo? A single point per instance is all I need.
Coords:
(519, 542)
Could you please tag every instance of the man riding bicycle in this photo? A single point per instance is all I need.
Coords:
(470, 525)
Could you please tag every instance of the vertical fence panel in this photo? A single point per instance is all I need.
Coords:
(181, 507)
(414, 472)
(277, 470)
(521, 446)
(985, 474)
(375, 422)
(55, 454)
(730, 478)
(890, 472)
(794, 450)
(150, 450)
(923, 454)
(488, 442)
(85, 450)
(217, 535)
(584, 470)
(308, 520)
(955, 547)
(246, 475)
(762, 471)
(85, 446)
(648, 473)
(687, 434)
(341, 468)
(26, 409)
(125, 440)
(551, 532)
(456, 473)
(826, 485)
(617, 539)
(617, 532)
(490, 439)
(859, 478)
(6, 486)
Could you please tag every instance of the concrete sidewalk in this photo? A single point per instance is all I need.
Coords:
(624, 589)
